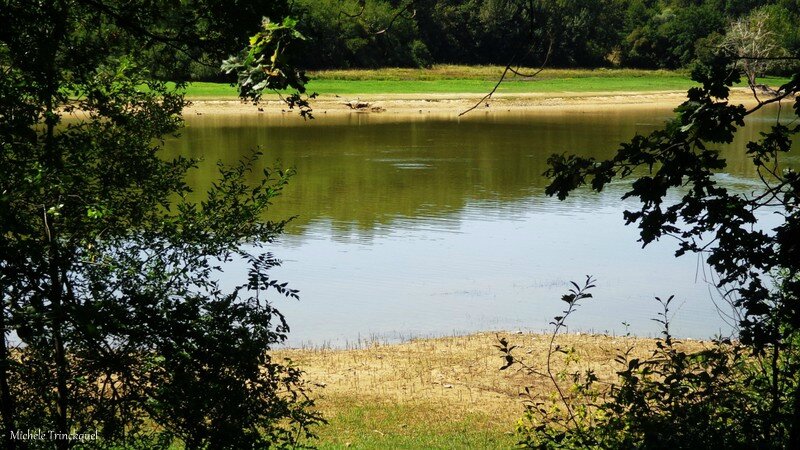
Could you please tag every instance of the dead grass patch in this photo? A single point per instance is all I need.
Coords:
(446, 382)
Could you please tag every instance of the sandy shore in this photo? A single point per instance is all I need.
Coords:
(457, 103)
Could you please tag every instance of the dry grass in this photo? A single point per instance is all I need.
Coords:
(382, 393)
(486, 73)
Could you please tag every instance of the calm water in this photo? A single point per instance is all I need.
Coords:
(430, 225)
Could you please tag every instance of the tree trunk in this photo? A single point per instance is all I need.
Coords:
(6, 402)
(794, 433)
(56, 298)
(53, 158)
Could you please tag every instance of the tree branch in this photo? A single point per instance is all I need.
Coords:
(409, 7)
(505, 72)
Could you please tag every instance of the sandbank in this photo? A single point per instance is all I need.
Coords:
(455, 104)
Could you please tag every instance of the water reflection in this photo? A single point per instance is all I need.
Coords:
(430, 225)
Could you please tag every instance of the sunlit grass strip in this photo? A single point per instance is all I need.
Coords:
(361, 425)
(547, 85)
(373, 87)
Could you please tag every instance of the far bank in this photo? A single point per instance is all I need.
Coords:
(456, 104)
(455, 89)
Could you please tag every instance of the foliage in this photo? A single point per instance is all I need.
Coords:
(674, 180)
(345, 34)
(667, 37)
(706, 217)
(631, 33)
(348, 34)
(751, 40)
(717, 397)
(113, 312)
(186, 40)
(782, 23)
(268, 64)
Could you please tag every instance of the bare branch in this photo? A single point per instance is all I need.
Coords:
(489, 95)
(763, 103)
(755, 46)
(770, 58)
(503, 76)
(540, 69)
(409, 7)
(358, 14)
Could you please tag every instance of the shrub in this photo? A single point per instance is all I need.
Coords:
(718, 397)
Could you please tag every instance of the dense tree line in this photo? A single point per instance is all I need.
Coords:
(631, 33)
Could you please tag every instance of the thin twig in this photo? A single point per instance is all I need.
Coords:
(409, 7)
(763, 103)
(358, 14)
(540, 69)
(770, 58)
(503, 76)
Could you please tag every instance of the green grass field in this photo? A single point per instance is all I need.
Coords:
(384, 426)
(475, 80)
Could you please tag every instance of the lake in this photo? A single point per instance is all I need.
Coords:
(430, 225)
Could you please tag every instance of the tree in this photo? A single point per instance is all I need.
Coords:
(754, 45)
(112, 314)
(673, 173)
(665, 35)
(348, 34)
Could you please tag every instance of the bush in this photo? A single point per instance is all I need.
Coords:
(719, 397)
(420, 54)
(343, 34)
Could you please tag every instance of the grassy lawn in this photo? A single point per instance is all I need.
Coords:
(358, 425)
(475, 80)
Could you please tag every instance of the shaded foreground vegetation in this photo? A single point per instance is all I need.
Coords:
(113, 318)
(712, 398)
